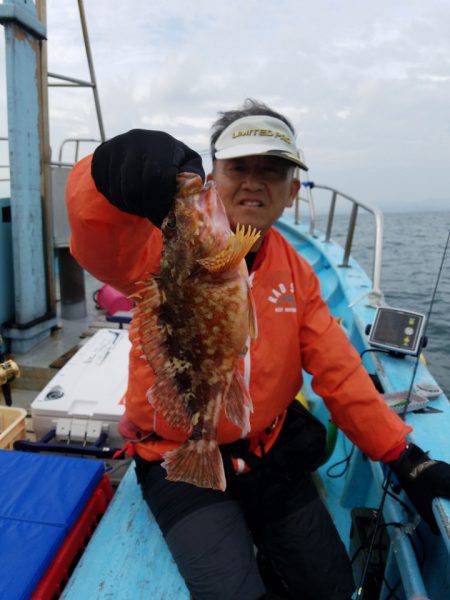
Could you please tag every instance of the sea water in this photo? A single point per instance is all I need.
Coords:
(412, 252)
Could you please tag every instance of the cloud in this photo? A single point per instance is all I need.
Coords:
(365, 85)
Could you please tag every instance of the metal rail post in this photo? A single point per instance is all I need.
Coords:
(331, 217)
(91, 69)
(71, 275)
(350, 232)
(312, 213)
(375, 296)
(34, 315)
(46, 156)
(80, 83)
(297, 208)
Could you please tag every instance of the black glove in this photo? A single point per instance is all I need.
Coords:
(423, 479)
(136, 171)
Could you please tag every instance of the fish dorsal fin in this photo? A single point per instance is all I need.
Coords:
(237, 247)
(149, 337)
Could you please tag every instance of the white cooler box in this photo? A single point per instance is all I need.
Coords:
(86, 397)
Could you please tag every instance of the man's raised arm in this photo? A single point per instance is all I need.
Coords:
(118, 197)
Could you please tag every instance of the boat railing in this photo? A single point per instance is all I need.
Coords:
(375, 295)
(73, 82)
(4, 139)
(77, 142)
(65, 81)
(309, 200)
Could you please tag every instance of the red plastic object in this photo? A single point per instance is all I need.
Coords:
(112, 301)
(58, 573)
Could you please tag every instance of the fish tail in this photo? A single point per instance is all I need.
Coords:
(198, 462)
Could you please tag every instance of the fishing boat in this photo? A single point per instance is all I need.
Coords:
(127, 556)
(409, 561)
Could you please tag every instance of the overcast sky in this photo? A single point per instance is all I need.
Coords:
(367, 85)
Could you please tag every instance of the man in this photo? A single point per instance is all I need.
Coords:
(117, 200)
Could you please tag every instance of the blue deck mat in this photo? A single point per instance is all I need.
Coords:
(41, 497)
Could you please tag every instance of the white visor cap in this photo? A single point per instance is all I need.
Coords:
(258, 135)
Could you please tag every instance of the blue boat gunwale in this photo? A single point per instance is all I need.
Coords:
(353, 287)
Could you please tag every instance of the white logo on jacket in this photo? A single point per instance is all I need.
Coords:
(284, 298)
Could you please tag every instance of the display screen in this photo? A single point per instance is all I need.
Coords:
(397, 328)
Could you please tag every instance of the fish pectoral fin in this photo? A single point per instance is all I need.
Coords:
(238, 403)
(198, 462)
(237, 247)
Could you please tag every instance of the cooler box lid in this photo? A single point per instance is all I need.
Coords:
(41, 497)
(93, 382)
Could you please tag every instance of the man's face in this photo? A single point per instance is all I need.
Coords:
(255, 190)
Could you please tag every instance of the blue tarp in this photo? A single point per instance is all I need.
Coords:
(41, 497)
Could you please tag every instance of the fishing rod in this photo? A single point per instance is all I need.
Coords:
(388, 478)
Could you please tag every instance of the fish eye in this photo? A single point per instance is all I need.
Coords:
(171, 222)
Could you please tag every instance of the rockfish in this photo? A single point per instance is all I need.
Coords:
(192, 322)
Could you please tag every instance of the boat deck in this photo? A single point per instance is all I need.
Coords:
(127, 558)
(141, 563)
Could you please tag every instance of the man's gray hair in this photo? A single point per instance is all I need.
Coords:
(249, 108)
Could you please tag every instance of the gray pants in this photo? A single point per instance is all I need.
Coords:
(211, 536)
(213, 549)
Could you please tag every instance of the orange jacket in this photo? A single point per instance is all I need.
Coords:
(295, 330)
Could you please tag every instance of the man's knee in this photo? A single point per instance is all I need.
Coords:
(308, 554)
(214, 553)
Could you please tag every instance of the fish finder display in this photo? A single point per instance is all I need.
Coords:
(397, 330)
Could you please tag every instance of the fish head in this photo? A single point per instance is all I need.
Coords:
(196, 228)
(212, 226)
(196, 232)
(197, 225)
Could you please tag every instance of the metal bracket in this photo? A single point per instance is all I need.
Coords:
(9, 370)
(11, 12)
